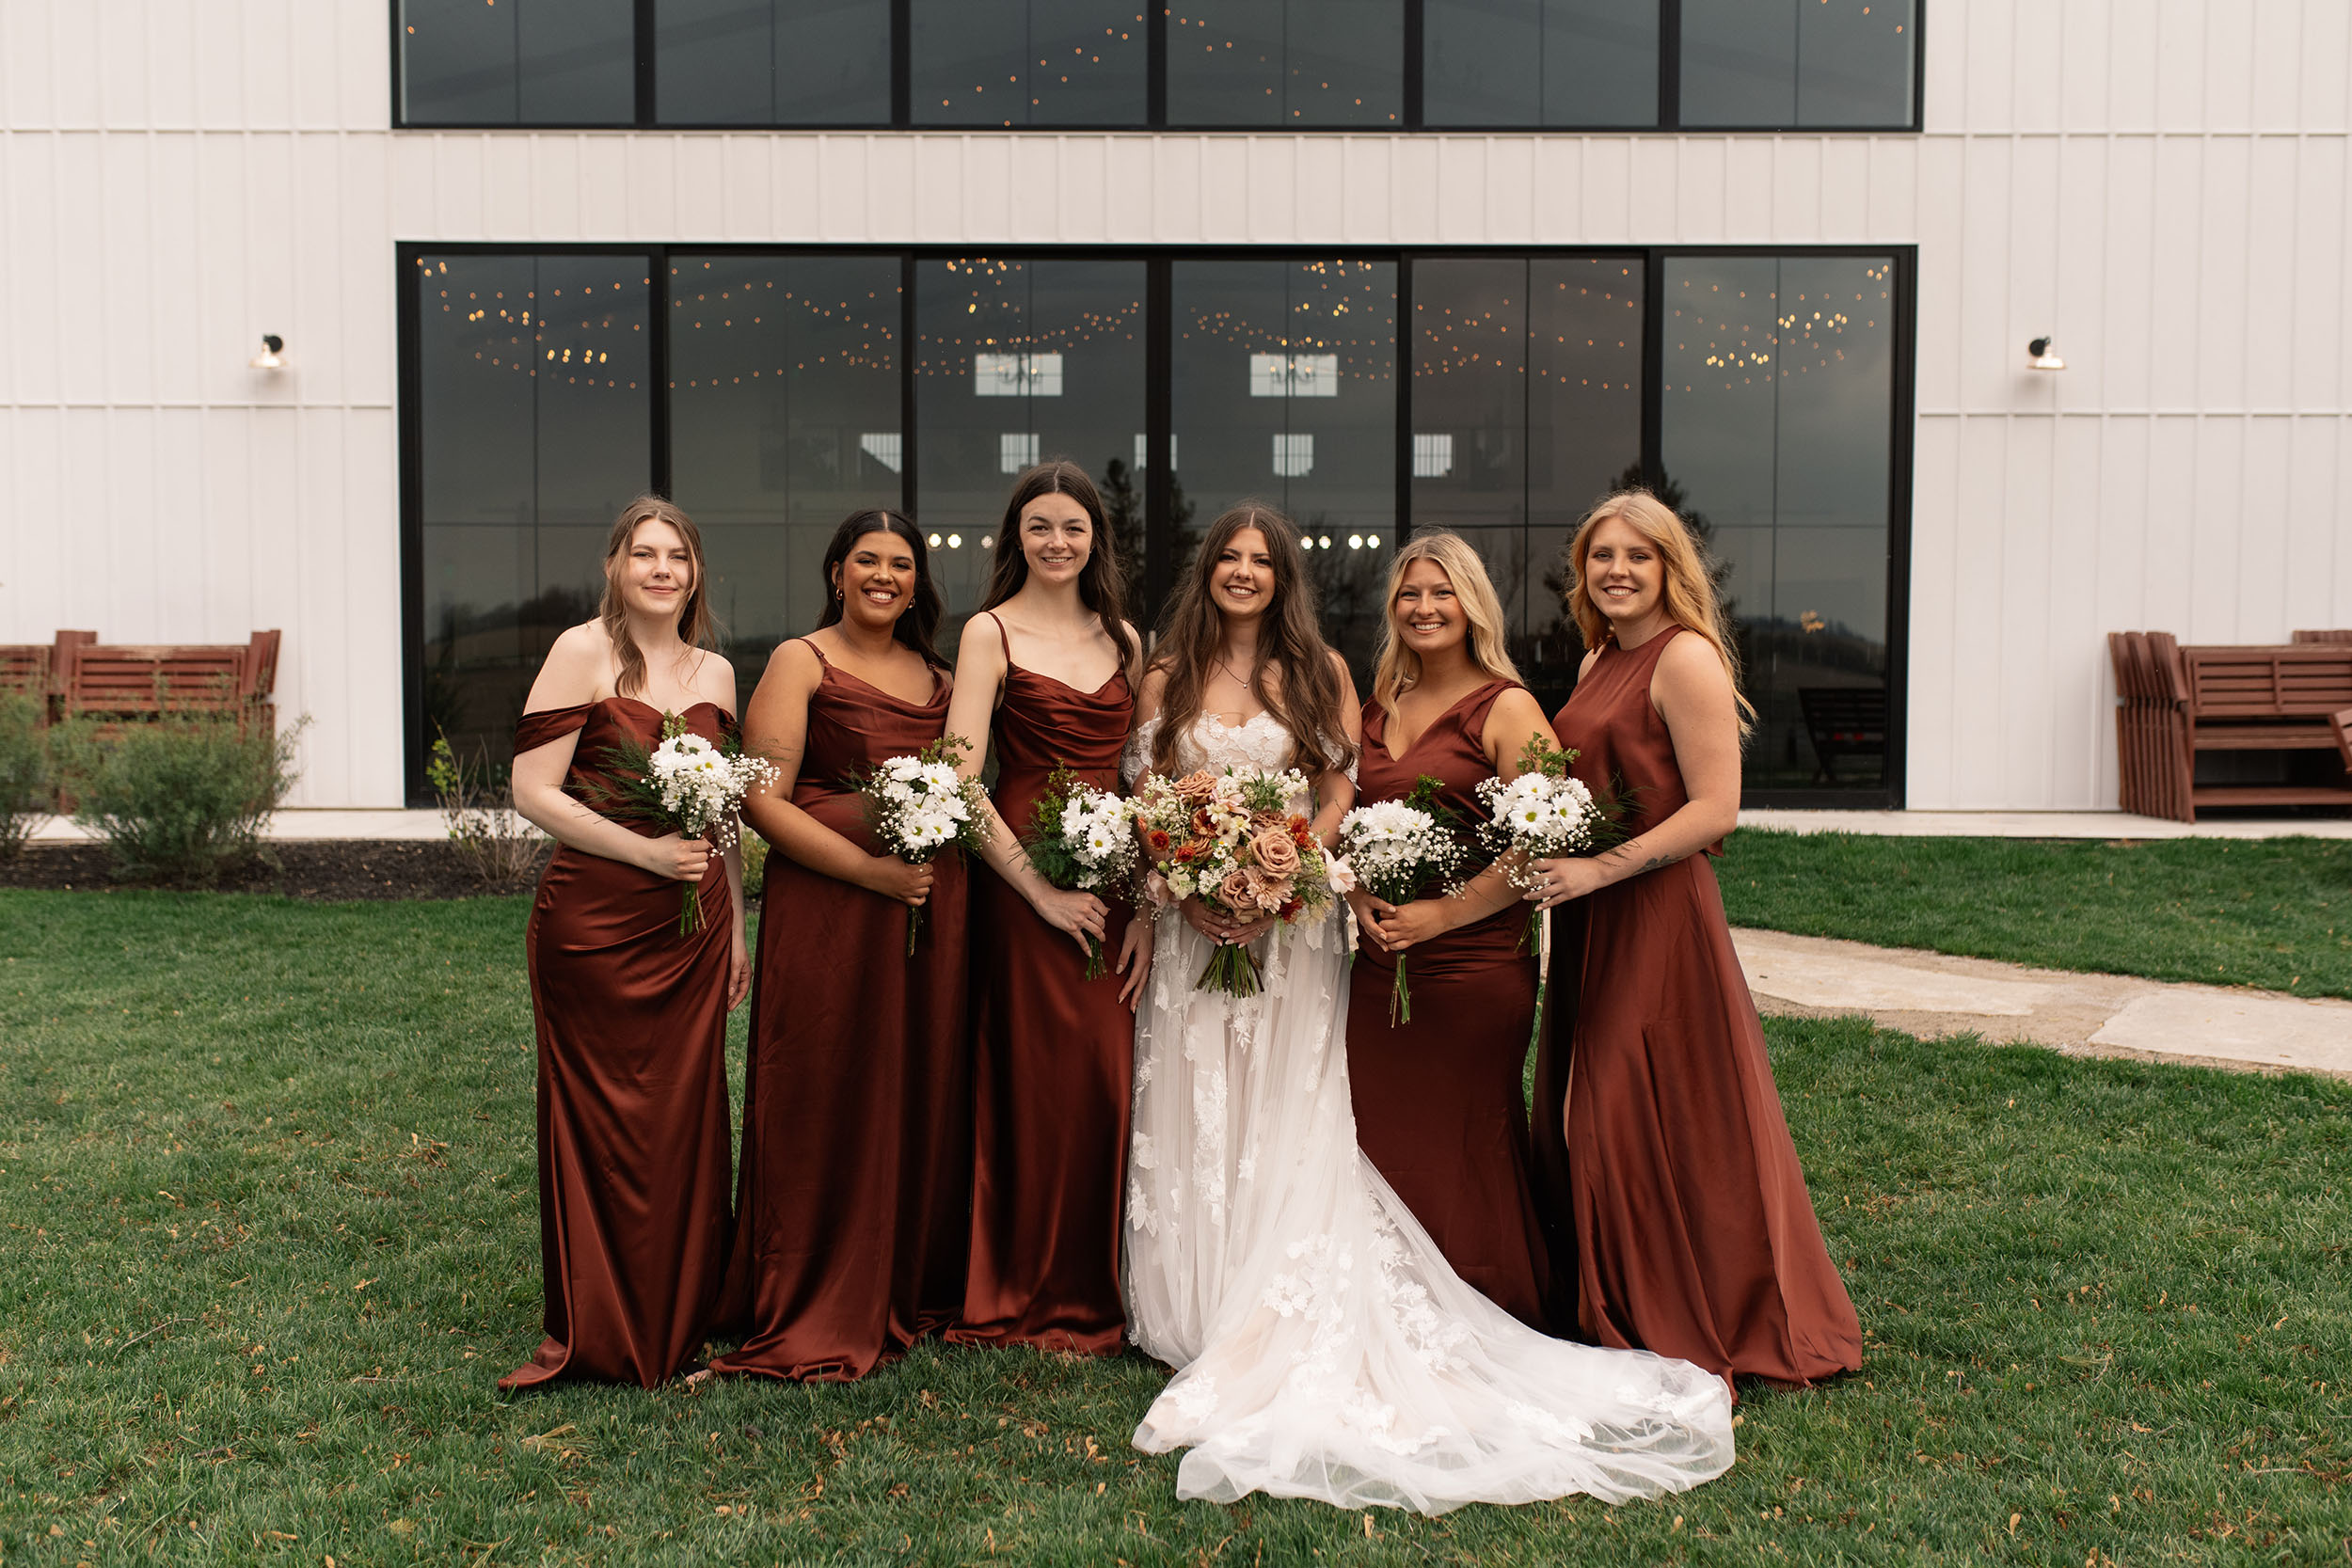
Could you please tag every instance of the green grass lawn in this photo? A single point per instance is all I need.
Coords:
(2274, 913)
(267, 1178)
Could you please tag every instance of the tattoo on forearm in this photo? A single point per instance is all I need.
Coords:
(1656, 860)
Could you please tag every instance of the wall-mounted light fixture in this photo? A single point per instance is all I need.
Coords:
(273, 355)
(2042, 354)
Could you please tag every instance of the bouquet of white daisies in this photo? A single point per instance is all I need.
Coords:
(1081, 837)
(685, 784)
(919, 807)
(1543, 815)
(1397, 849)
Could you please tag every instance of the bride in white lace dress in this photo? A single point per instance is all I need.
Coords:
(1324, 1348)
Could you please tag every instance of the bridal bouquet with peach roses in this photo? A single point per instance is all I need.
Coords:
(1233, 840)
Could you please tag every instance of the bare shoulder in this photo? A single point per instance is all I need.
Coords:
(1130, 641)
(982, 644)
(1690, 673)
(793, 665)
(714, 680)
(1516, 710)
(1153, 691)
(1339, 667)
(576, 670)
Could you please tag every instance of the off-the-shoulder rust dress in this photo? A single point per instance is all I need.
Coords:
(632, 1021)
(857, 1131)
(1441, 1100)
(1694, 1234)
(1053, 1054)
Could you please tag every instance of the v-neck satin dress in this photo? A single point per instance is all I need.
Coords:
(632, 1025)
(1053, 1056)
(857, 1131)
(1694, 1234)
(1441, 1100)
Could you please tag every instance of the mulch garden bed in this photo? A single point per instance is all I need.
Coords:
(325, 870)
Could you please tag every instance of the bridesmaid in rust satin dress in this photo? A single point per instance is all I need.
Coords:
(1053, 1050)
(632, 1103)
(856, 1162)
(1441, 1099)
(1694, 1234)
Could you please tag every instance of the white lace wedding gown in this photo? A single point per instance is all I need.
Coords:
(1324, 1347)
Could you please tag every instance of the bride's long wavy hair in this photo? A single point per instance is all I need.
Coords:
(1305, 696)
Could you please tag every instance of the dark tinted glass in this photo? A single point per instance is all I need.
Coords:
(1539, 62)
(1284, 388)
(535, 417)
(1854, 62)
(1797, 62)
(1287, 62)
(1028, 62)
(1777, 418)
(1527, 407)
(784, 418)
(527, 62)
(772, 62)
(1017, 361)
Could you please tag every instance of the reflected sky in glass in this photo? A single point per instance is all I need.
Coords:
(1797, 62)
(1028, 62)
(1287, 62)
(771, 62)
(1539, 62)
(528, 62)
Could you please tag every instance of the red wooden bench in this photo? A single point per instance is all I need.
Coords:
(32, 667)
(2341, 634)
(124, 681)
(2176, 701)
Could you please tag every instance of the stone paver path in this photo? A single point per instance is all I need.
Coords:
(1932, 994)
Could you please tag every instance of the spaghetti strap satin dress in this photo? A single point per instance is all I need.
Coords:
(1694, 1235)
(1441, 1100)
(1053, 1054)
(632, 1021)
(857, 1134)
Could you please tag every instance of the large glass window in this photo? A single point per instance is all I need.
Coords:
(771, 394)
(1287, 62)
(1527, 409)
(527, 62)
(1772, 63)
(1018, 64)
(1539, 62)
(1028, 62)
(535, 399)
(783, 387)
(771, 62)
(1776, 429)
(1284, 387)
(1018, 360)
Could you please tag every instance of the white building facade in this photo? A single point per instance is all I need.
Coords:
(1373, 312)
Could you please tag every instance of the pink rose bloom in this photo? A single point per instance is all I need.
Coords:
(1340, 875)
(1155, 889)
(1236, 891)
(1276, 853)
(1195, 789)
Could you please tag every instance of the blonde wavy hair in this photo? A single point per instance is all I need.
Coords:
(697, 627)
(1398, 668)
(1690, 589)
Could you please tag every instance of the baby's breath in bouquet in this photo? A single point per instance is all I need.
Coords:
(1397, 850)
(919, 807)
(685, 784)
(1080, 838)
(1234, 840)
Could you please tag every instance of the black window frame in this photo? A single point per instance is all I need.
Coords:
(1155, 116)
(1159, 412)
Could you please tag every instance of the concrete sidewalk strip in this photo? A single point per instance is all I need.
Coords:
(1934, 994)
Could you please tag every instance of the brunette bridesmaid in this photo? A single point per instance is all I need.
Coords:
(632, 1016)
(1441, 1100)
(1053, 1050)
(856, 1162)
(1694, 1234)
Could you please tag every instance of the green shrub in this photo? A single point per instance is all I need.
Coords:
(754, 862)
(477, 800)
(27, 788)
(182, 797)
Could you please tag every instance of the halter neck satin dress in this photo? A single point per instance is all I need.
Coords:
(1053, 1054)
(1678, 1187)
(632, 1022)
(1441, 1100)
(857, 1133)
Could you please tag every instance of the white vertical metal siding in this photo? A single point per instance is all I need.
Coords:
(2160, 183)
